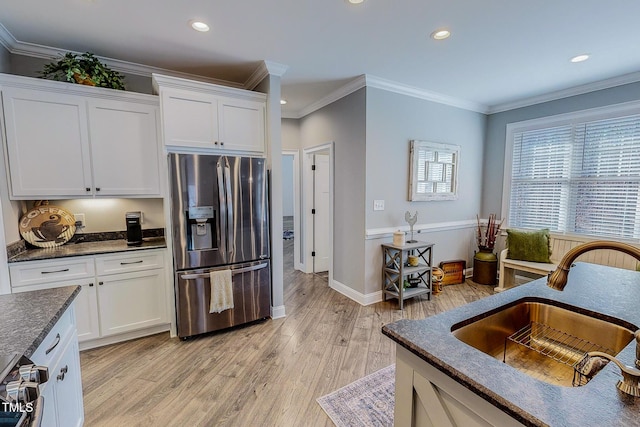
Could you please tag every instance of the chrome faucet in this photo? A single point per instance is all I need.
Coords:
(558, 279)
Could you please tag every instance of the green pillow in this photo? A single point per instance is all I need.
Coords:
(529, 245)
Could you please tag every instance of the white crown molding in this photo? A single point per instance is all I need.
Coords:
(265, 69)
(352, 86)
(391, 86)
(17, 47)
(566, 93)
(367, 80)
(6, 38)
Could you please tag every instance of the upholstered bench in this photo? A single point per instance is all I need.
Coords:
(560, 244)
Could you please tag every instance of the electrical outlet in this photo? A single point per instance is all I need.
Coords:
(80, 221)
(378, 205)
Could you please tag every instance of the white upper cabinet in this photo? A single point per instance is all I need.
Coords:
(211, 117)
(47, 143)
(189, 119)
(66, 140)
(124, 148)
(241, 125)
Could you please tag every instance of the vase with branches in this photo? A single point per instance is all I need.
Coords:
(487, 234)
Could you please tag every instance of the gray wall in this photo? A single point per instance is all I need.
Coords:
(343, 122)
(392, 121)
(30, 67)
(291, 134)
(493, 169)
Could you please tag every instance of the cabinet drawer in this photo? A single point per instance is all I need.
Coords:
(53, 344)
(36, 272)
(125, 263)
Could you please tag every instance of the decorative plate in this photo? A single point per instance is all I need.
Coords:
(47, 226)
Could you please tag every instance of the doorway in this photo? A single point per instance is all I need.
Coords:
(291, 204)
(317, 216)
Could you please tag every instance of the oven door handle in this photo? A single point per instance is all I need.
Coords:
(233, 272)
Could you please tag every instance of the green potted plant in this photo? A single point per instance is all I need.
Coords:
(83, 69)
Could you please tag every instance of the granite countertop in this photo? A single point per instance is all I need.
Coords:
(593, 289)
(27, 317)
(87, 248)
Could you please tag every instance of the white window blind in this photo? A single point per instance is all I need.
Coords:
(580, 177)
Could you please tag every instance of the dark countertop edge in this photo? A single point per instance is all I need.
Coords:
(493, 398)
(584, 292)
(87, 248)
(65, 305)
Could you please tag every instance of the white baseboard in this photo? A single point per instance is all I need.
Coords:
(277, 312)
(360, 298)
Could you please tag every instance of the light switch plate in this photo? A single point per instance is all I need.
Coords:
(378, 205)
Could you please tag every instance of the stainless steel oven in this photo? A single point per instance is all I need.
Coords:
(20, 402)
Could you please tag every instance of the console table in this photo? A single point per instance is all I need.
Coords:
(395, 269)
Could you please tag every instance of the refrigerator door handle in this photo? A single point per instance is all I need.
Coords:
(229, 207)
(223, 214)
(233, 272)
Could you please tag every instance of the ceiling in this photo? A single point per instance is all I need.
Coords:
(500, 52)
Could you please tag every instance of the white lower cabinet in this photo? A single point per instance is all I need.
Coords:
(62, 393)
(131, 301)
(123, 295)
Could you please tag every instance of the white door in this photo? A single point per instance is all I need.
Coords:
(321, 205)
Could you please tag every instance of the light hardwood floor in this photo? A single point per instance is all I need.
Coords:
(265, 374)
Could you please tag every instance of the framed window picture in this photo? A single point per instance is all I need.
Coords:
(433, 171)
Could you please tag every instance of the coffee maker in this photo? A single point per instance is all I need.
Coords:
(134, 229)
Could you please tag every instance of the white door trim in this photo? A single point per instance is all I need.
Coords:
(296, 207)
(307, 203)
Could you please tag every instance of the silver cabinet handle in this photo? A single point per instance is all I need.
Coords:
(55, 344)
(62, 373)
(56, 271)
(132, 262)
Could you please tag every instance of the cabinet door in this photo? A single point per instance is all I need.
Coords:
(241, 125)
(47, 143)
(131, 301)
(124, 148)
(189, 119)
(50, 413)
(86, 308)
(68, 387)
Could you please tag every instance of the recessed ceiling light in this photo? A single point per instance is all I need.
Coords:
(199, 26)
(580, 58)
(440, 34)
(355, 1)
(283, 101)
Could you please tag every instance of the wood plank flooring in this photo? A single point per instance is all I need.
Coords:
(265, 374)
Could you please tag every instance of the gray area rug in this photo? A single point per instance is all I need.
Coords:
(368, 401)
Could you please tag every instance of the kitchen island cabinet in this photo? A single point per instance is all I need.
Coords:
(41, 326)
(442, 381)
(68, 141)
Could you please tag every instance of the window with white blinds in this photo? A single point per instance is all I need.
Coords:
(578, 176)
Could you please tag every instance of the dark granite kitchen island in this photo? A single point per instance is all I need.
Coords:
(27, 317)
(592, 289)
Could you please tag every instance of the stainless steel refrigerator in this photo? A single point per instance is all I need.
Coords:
(220, 221)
